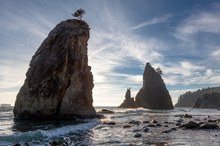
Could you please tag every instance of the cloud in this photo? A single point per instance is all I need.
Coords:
(199, 22)
(152, 21)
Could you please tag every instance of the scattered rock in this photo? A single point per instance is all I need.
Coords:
(137, 135)
(180, 121)
(145, 129)
(151, 125)
(209, 126)
(109, 123)
(168, 131)
(135, 122)
(154, 121)
(187, 116)
(158, 125)
(165, 126)
(153, 94)
(17, 144)
(127, 126)
(190, 125)
(106, 111)
(146, 122)
(136, 130)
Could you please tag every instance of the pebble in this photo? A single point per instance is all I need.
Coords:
(145, 129)
(154, 121)
(146, 122)
(151, 125)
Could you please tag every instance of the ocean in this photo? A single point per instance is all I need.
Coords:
(114, 129)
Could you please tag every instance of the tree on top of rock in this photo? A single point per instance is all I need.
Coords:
(159, 71)
(79, 13)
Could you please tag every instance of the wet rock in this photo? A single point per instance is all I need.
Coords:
(127, 126)
(109, 123)
(190, 125)
(211, 121)
(168, 131)
(135, 122)
(178, 124)
(154, 121)
(165, 126)
(145, 129)
(136, 130)
(55, 143)
(137, 135)
(187, 116)
(146, 122)
(106, 111)
(180, 121)
(151, 125)
(158, 125)
(17, 144)
(153, 94)
(59, 81)
(209, 126)
(100, 116)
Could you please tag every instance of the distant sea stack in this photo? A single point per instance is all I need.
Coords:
(208, 100)
(129, 101)
(153, 94)
(59, 82)
(189, 98)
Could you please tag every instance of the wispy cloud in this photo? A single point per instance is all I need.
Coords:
(152, 21)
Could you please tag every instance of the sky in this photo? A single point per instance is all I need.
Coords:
(180, 37)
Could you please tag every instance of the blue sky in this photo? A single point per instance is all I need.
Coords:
(180, 37)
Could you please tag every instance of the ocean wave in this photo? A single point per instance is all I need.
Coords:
(52, 133)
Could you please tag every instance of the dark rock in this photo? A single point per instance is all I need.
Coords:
(109, 123)
(137, 135)
(154, 121)
(146, 122)
(136, 130)
(59, 82)
(17, 144)
(134, 122)
(187, 116)
(55, 143)
(106, 111)
(208, 100)
(145, 129)
(180, 121)
(190, 125)
(128, 102)
(168, 131)
(127, 126)
(165, 126)
(100, 116)
(153, 94)
(209, 126)
(151, 125)
(211, 121)
(178, 124)
(158, 125)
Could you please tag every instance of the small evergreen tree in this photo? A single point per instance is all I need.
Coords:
(79, 13)
(159, 71)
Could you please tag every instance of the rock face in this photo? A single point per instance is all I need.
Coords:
(128, 102)
(211, 100)
(189, 98)
(59, 81)
(153, 94)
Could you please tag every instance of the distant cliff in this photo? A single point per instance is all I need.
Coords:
(208, 100)
(59, 82)
(153, 94)
(189, 98)
(129, 101)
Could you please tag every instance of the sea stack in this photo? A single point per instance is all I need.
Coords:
(129, 101)
(153, 94)
(59, 82)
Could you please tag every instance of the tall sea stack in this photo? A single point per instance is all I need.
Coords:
(59, 82)
(153, 94)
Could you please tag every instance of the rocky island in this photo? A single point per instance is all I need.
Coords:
(129, 101)
(59, 81)
(153, 94)
(189, 99)
(208, 100)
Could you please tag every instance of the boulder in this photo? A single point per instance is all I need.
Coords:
(190, 125)
(129, 101)
(153, 94)
(209, 126)
(59, 81)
